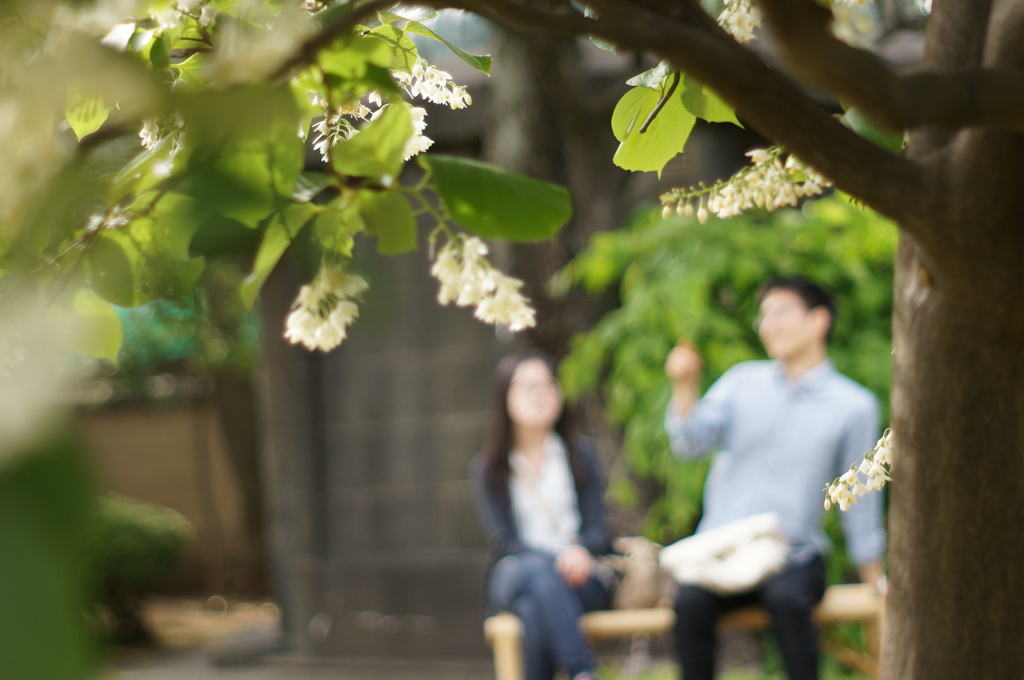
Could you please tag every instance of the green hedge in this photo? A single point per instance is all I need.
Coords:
(133, 547)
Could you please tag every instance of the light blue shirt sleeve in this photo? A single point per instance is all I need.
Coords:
(695, 435)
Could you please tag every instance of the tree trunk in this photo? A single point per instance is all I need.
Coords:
(956, 551)
(235, 401)
(956, 556)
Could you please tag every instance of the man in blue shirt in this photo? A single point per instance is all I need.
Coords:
(782, 429)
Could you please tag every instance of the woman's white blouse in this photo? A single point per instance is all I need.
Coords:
(544, 503)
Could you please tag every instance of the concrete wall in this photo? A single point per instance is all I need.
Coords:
(378, 548)
(176, 457)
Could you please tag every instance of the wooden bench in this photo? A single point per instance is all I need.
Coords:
(851, 602)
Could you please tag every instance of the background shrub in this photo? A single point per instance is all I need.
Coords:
(133, 548)
(678, 278)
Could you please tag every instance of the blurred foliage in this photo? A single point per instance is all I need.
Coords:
(44, 502)
(133, 547)
(676, 279)
(172, 346)
(147, 138)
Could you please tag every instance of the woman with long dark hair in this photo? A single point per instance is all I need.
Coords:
(542, 504)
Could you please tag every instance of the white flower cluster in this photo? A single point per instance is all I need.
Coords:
(740, 19)
(425, 81)
(323, 310)
(172, 18)
(149, 135)
(768, 183)
(875, 468)
(332, 129)
(468, 279)
(419, 142)
(337, 128)
(434, 85)
(153, 131)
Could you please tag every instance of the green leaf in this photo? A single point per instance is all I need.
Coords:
(652, 78)
(334, 12)
(149, 257)
(481, 63)
(284, 227)
(859, 123)
(387, 216)
(349, 59)
(495, 203)
(159, 54)
(703, 103)
(143, 172)
(377, 150)
(335, 226)
(44, 504)
(190, 73)
(99, 333)
(219, 235)
(86, 116)
(246, 155)
(110, 264)
(664, 138)
(408, 12)
(402, 47)
(632, 110)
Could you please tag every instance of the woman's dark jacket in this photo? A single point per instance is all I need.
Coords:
(495, 508)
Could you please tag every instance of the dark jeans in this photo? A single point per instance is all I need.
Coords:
(789, 598)
(529, 585)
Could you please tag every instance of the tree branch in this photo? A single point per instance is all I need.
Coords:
(763, 97)
(952, 100)
(342, 25)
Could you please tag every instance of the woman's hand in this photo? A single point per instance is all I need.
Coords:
(575, 563)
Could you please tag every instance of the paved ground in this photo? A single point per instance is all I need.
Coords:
(196, 665)
(220, 641)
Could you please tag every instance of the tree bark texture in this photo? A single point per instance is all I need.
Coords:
(957, 500)
(956, 557)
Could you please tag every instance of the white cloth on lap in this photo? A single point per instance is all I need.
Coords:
(731, 559)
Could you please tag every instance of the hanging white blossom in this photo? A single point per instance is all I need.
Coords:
(468, 279)
(430, 83)
(323, 310)
(740, 19)
(769, 183)
(419, 142)
(875, 470)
